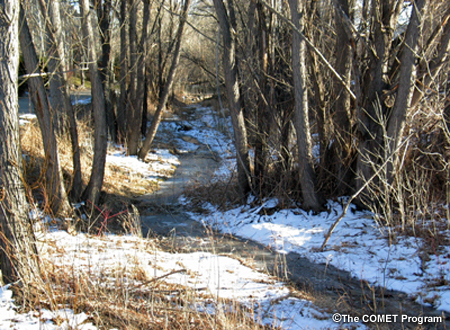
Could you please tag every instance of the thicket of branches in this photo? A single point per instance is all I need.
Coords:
(343, 97)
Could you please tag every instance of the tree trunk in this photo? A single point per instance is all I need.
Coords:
(306, 161)
(95, 184)
(385, 15)
(167, 87)
(53, 184)
(52, 17)
(18, 253)
(343, 115)
(233, 93)
(262, 111)
(397, 118)
(53, 52)
(121, 109)
(104, 17)
(133, 112)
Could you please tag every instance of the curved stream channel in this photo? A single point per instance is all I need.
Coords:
(165, 217)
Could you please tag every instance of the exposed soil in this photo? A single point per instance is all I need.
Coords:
(336, 290)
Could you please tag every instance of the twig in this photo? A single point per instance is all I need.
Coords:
(183, 270)
(45, 74)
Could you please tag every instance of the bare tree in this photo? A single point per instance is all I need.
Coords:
(138, 97)
(121, 107)
(304, 143)
(227, 23)
(167, 86)
(397, 117)
(18, 254)
(53, 182)
(343, 116)
(105, 18)
(60, 93)
(95, 184)
(133, 111)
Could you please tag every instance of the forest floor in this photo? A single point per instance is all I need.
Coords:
(261, 257)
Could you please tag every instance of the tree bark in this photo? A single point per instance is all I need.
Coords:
(93, 190)
(104, 13)
(304, 143)
(133, 112)
(53, 184)
(167, 86)
(18, 253)
(371, 112)
(54, 50)
(52, 17)
(121, 109)
(230, 68)
(343, 115)
(397, 118)
(262, 111)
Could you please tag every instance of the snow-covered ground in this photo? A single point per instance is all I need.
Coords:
(214, 278)
(159, 164)
(357, 245)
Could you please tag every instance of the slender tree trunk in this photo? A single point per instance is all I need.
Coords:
(167, 87)
(95, 184)
(306, 161)
(263, 106)
(233, 93)
(385, 15)
(56, 80)
(104, 18)
(343, 115)
(397, 118)
(54, 187)
(18, 253)
(121, 109)
(52, 17)
(134, 113)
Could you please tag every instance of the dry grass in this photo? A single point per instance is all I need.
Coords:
(118, 182)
